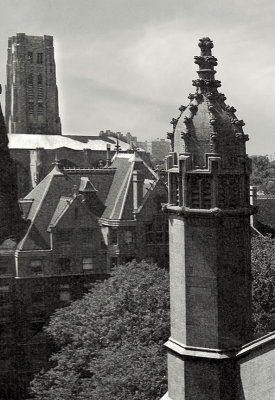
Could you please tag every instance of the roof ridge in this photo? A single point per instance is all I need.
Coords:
(22, 242)
(119, 193)
(127, 190)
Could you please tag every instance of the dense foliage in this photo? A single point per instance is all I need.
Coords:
(262, 171)
(263, 272)
(111, 341)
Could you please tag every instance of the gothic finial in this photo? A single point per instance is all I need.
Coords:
(206, 63)
(117, 147)
(56, 162)
(206, 45)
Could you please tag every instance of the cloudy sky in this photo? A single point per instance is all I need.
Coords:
(127, 65)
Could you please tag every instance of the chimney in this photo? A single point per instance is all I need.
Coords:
(75, 191)
(108, 155)
(138, 179)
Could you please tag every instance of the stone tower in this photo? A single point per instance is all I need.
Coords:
(31, 91)
(209, 229)
(11, 223)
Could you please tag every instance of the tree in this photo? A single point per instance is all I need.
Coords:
(262, 171)
(111, 341)
(263, 287)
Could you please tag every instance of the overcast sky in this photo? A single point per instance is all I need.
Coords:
(127, 65)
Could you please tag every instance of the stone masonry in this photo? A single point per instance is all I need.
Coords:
(209, 245)
(31, 91)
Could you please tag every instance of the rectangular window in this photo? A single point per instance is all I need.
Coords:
(4, 293)
(64, 265)
(129, 236)
(39, 79)
(63, 237)
(149, 233)
(65, 292)
(113, 236)
(4, 268)
(87, 235)
(39, 58)
(40, 94)
(30, 57)
(36, 267)
(40, 108)
(31, 107)
(88, 264)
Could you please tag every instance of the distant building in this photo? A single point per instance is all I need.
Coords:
(128, 138)
(31, 91)
(133, 225)
(158, 149)
(263, 221)
(34, 155)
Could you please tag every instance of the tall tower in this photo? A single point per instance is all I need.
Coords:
(31, 91)
(209, 213)
(11, 223)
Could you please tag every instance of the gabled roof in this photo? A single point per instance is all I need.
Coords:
(50, 200)
(86, 185)
(119, 203)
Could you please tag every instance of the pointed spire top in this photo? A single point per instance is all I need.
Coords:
(56, 163)
(206, 64)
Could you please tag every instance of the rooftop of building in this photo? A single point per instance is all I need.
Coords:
(74, 142)
(105, 195)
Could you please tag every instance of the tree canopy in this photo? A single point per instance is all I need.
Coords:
(262, 172)
(263, 288)
(111, 341)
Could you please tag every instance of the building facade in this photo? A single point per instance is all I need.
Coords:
(81, 222)
(159, 149)
(31, 90)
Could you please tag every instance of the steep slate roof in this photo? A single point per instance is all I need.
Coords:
(50, 199)
(119, 203)
(109, 188)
